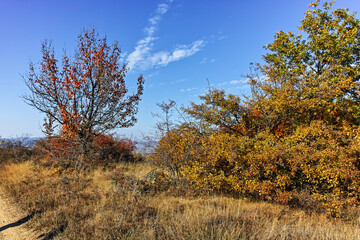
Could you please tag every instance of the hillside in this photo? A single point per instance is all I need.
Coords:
(121, 203)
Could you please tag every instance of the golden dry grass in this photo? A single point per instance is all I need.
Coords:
(229, 218)
(110, 204)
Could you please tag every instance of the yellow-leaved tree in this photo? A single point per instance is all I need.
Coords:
(294, 140)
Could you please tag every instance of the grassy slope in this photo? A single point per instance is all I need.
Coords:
(112, 204)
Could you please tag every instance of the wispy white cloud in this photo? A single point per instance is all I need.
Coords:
(237, 82)
(233, 86)
(162, 8)
(189, 89)
(206, 60)
(218, 36)
(221, 84)
(238, 88)
(180, 81)
(142, 56)
(222, 37)
(163, 58)
(232, 82)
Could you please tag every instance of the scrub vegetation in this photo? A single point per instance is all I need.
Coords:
(280, 163)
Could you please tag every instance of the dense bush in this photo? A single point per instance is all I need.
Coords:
(295, 139)
(102, 149)
(57, 148)
(176, 149)
(316, 160)
(106, 148)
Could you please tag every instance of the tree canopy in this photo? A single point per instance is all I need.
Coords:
(87, 94)
(295, 138)
(313, 76)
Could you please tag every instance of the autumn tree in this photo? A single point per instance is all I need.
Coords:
(313, 75)
(85, 95)
(295, 138)
(226, 112)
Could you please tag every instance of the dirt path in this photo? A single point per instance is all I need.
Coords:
(13, 222)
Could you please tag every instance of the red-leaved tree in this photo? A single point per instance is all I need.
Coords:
(86, 95)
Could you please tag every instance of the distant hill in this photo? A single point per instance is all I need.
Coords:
(27, 142)
(144, 146)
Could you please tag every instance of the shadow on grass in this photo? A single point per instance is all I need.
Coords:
(47, 236)
(19, 222)
(50, 235)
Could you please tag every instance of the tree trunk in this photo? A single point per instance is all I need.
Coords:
(84, 147)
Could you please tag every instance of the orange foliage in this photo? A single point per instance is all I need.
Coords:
(103, 148)
(87, 95)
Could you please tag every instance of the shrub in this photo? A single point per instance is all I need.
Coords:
(317, 158)
(176, 149)
(103, 149)
(57, 149)
(106, 148)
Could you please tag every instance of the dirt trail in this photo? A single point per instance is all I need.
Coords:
(13, 221)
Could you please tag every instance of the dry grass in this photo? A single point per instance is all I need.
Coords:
(229, 218)
(109, 203)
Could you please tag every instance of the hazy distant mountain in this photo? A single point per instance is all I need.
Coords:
(146, 146)
(143, 146)
(27, 142)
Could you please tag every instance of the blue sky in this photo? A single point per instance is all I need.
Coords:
(177, 45)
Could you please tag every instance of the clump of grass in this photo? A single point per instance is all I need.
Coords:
(124, 202)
